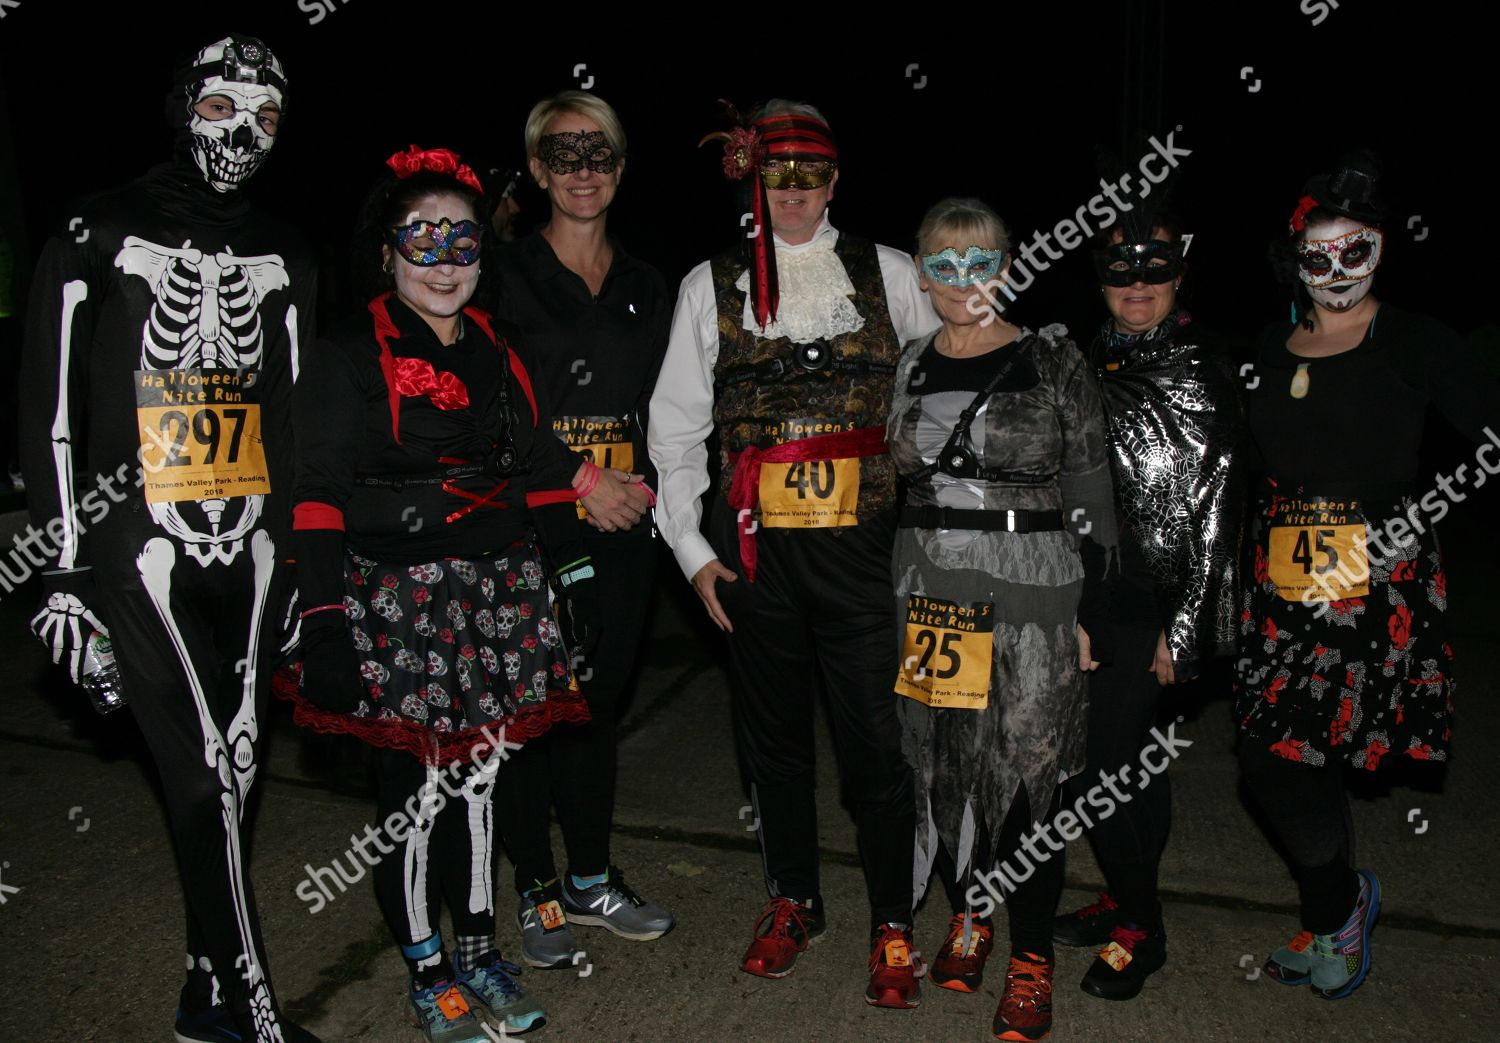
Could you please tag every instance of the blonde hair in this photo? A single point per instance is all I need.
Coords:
(961, 222)
(583, 104)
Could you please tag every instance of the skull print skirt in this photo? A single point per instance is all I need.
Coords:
(454, 654)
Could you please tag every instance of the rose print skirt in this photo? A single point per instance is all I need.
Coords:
(1370, 677)
(450, 652)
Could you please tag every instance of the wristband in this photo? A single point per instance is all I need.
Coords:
(650, 495)
(589, 481)
(321, 608)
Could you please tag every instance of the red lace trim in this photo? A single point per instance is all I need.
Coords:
(562, 705)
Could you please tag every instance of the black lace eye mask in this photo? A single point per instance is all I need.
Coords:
(570, 152)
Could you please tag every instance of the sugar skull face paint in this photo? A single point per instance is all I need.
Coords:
(975, 267)
(426, 243)
(1336, 261)
(571, 151)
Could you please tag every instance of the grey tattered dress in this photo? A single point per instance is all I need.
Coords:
(1044, 419)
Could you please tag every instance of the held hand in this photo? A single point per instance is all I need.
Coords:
(64, 625)
(703, 582)
(330, 665)
(1086, 660)
(1161, 665)
(618, 501)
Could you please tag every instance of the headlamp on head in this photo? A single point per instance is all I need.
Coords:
(1124, 264)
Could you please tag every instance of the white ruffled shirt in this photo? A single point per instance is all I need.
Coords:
(815, 302)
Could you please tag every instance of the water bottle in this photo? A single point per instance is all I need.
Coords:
(100, 676)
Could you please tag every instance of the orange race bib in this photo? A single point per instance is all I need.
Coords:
(1316, 550)
(603, 440)
(948, 653)
(809, 494)
(200, 439)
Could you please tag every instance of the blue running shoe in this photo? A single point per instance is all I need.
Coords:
(444, 1015)
(493, 983)
(1341, 961)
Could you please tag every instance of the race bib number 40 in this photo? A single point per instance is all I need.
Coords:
(200, 438)
(811, 494)
(948, 652)
(1317, 551)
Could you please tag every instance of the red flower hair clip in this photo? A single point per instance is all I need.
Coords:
(437, 160)
(1298, 222)
(744, 149)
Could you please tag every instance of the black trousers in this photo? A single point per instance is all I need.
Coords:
(181, 633)
(821, 606)
(573, 768)
(1308, 811)
(1123, 699)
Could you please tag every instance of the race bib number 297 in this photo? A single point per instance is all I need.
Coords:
(948, 652)
(200, 438)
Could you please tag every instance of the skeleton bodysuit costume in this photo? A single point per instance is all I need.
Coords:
(160, 354)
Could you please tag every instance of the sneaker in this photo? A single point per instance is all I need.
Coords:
(1025, 1010)
(209, 1025)
(1088, 927)
(492, 982)
(444, 1016)
(894, 968)
(546, 939)
(1341, 961)
(615, 906)
(1122, 967)
(217, 1025)
(784, 931)
(961, 966)
(1292, 963)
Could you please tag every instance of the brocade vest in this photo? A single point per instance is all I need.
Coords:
(764, 395)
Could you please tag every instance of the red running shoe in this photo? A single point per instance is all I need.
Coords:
(784, 931)
(1025, 1010)
(961, 966)
(893, 968)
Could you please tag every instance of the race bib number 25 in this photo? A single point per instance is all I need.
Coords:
(200, 438)
(948, 652)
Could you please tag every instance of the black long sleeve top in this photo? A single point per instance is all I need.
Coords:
(401, 440)
(597, 357)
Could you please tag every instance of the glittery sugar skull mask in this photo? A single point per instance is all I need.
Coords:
(975, 267)
(571, 151)
(235, 95)
(1337, 271)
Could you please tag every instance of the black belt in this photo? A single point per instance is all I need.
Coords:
(989, 520)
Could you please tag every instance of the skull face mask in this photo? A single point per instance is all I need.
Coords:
(234, 91)
(1337, 269)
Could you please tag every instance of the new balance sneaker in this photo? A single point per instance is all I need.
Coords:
(784, 931)
(1025, 1010)
(444, 1016)
(1341, 961)
(1292, 963)
(961, 965)
(1122, 967)
(546, 940)
(613, 905)
(894, 967)
(1087, 927)
(493, 983)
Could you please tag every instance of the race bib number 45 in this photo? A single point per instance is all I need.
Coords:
(948, 652)
(200, 438)
(1317, 551)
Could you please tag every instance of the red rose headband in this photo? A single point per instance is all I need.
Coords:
(438, 160)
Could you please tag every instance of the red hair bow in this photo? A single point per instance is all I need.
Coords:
(417, 377)
(1299, 216)
(437, 160)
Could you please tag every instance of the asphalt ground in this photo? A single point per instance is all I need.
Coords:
(91, 921)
